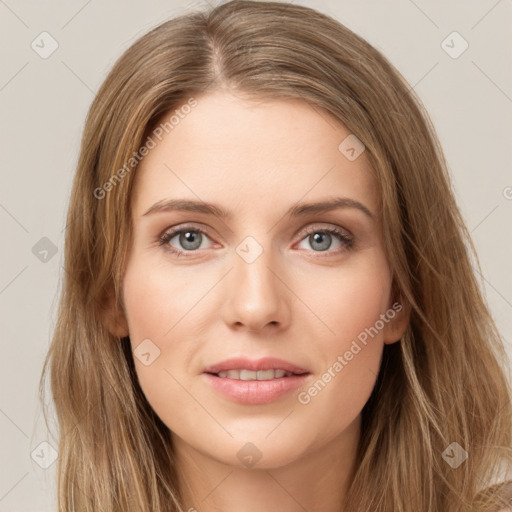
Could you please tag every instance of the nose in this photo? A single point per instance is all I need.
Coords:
(257, 296)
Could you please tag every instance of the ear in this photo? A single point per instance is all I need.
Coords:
(398, 315)
(114, 316)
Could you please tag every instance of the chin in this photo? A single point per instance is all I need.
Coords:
(256, 452)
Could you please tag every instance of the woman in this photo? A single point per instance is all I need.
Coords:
(269, 302)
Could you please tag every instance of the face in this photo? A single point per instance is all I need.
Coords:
(309, 286)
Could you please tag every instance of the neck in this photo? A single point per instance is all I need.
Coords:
(318, 480)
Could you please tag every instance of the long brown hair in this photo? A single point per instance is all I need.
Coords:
(443, 383)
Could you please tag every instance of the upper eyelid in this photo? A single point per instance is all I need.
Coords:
(193, 227)
(330, 226)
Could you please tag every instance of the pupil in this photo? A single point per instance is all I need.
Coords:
(189, 240)
(319, 237)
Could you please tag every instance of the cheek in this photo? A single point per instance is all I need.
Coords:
(158, 299)
(347, 301)
(157, 302)
(349, 345)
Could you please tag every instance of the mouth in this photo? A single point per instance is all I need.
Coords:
(254, 382)
(249, 375)
(266, 368)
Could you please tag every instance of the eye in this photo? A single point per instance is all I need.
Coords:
(321, 239)
(189, 239)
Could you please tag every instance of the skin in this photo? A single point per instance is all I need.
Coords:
(294, 301)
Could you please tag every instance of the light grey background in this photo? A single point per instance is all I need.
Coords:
(44, 102)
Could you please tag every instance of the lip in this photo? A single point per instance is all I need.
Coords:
(265, 363)
(255, 392)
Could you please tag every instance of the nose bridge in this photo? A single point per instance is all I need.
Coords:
(256, 295)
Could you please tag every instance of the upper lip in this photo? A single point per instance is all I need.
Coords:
(266, 363)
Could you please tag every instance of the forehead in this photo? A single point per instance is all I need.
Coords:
(254, 154)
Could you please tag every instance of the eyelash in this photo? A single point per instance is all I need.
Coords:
(167, 236)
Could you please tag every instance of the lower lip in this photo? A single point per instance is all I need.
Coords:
(254, 392)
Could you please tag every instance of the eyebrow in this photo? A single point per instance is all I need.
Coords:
(297, 210)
